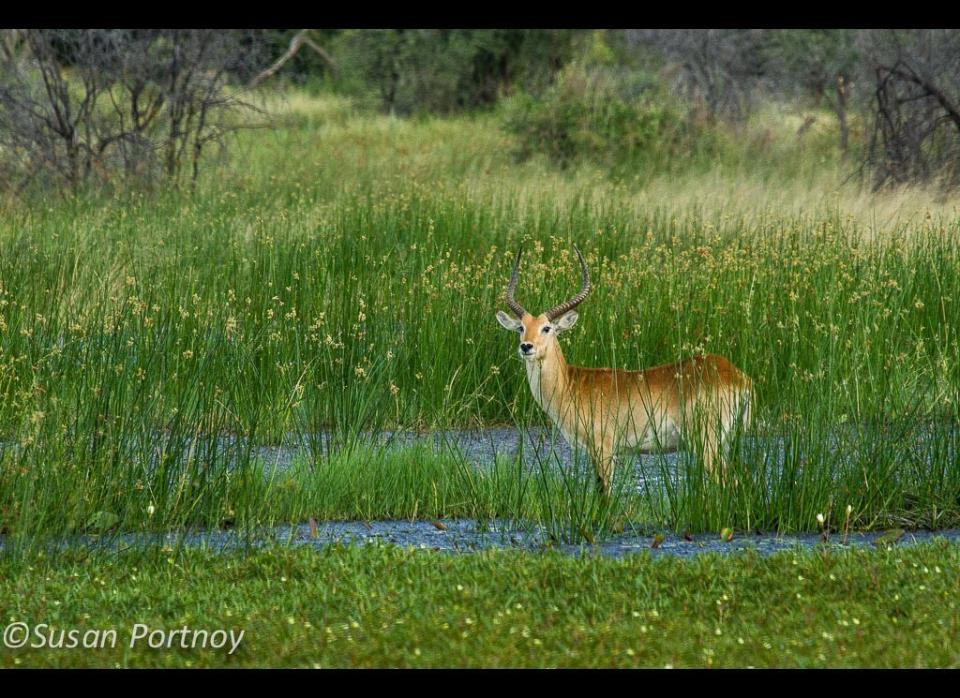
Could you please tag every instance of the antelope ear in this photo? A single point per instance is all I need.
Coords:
(566, 321)
(508, 322)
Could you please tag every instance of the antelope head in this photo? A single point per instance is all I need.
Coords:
(538, 333)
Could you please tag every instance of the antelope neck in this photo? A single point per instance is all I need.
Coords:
(548, 377)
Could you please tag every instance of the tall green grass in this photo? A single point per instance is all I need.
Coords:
(344, 276)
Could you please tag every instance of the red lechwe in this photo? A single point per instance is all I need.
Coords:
(697, 401)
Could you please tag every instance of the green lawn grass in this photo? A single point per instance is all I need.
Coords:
(381, 606)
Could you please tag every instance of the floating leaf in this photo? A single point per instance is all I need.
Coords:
(587, 535)
(314, 532)
(439, 525)
(890, 537)
(657, 541)
(726, 534)
(102, 521)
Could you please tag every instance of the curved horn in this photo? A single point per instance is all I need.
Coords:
(517, 309)
(577, 299)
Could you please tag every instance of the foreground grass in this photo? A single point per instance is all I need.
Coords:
(371, 606)
(363, 481)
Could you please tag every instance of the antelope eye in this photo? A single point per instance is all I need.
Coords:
(546, 330)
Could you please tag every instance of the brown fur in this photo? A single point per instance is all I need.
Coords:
(605, 410)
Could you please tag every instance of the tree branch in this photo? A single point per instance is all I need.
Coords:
(296, 44)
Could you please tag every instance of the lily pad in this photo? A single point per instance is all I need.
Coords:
(890, 537)
(102, 521)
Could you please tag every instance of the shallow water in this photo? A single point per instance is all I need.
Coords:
(544, 448)
(465, 536)
(534, 448)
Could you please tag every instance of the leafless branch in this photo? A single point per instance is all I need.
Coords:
(302, 37)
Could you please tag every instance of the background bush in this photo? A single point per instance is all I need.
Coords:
(80, 106)
(405, 71)
(626, 121)
(96, 106)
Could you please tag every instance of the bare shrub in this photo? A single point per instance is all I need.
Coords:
(716, 68)
(916, 114)
(91, 105)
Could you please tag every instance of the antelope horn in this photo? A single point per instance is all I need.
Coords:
(517, 309)
(577, 299)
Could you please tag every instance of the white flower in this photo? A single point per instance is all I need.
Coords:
(820, 518)
(150, 510)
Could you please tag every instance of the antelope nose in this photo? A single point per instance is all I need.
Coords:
(526, 347)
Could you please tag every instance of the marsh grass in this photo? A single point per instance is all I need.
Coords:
(342, 275)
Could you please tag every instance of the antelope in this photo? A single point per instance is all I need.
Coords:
(698, 400)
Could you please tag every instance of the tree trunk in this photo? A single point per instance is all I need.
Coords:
(842, 116)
